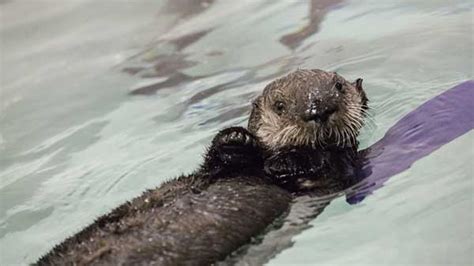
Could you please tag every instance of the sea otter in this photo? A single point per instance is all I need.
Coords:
(301, 138)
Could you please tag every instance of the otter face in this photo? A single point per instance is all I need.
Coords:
(309, 107)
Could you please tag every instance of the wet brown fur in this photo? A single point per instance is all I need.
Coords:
(187, 221)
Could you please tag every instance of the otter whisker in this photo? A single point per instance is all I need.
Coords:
(351, 139)
(303, 136)
(343, 136)
(355, 117)
(349, 122)
(354, 111)
(343, 139)
(330, 132)
(283, 136)
(338, 136)
(346, 137)
(351, 128)
(322, 140)
(354, 125)
(351, 135)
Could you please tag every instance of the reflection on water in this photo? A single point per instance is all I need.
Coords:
(317, 10)
(100, 100)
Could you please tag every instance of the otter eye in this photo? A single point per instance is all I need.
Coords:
(280, 107)
(338, 86)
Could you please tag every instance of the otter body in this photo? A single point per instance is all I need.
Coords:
(192, 220)
(301, 138)
(177, 227)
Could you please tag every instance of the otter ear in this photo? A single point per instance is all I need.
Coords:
(358, 84)
(257, 102)
(255, 115)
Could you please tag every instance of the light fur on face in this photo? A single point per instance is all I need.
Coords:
(341, 129)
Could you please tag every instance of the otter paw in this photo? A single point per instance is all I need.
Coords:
(234, 146)
(234, 137)
(285, 167)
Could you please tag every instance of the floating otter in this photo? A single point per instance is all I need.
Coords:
(301, 138)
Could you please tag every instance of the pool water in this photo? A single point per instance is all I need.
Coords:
(101, 100)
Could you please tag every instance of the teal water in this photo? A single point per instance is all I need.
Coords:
(101, 100)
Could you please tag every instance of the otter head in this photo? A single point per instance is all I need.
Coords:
(309, 107)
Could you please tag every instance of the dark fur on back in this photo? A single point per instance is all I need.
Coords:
(176, 226)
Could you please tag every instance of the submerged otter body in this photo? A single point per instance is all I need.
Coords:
(300, 139)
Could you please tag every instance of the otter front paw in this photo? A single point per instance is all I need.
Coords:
(234, 138)
(289, 165)
(234, 147)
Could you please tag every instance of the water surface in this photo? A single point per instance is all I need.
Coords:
(101, 100)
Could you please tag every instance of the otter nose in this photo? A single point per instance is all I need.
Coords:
(319, 115)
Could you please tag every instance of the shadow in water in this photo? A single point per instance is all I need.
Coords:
(317, 11)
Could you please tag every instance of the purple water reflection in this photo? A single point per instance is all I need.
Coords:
(422, 131)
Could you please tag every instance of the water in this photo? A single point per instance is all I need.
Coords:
(100, 101)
